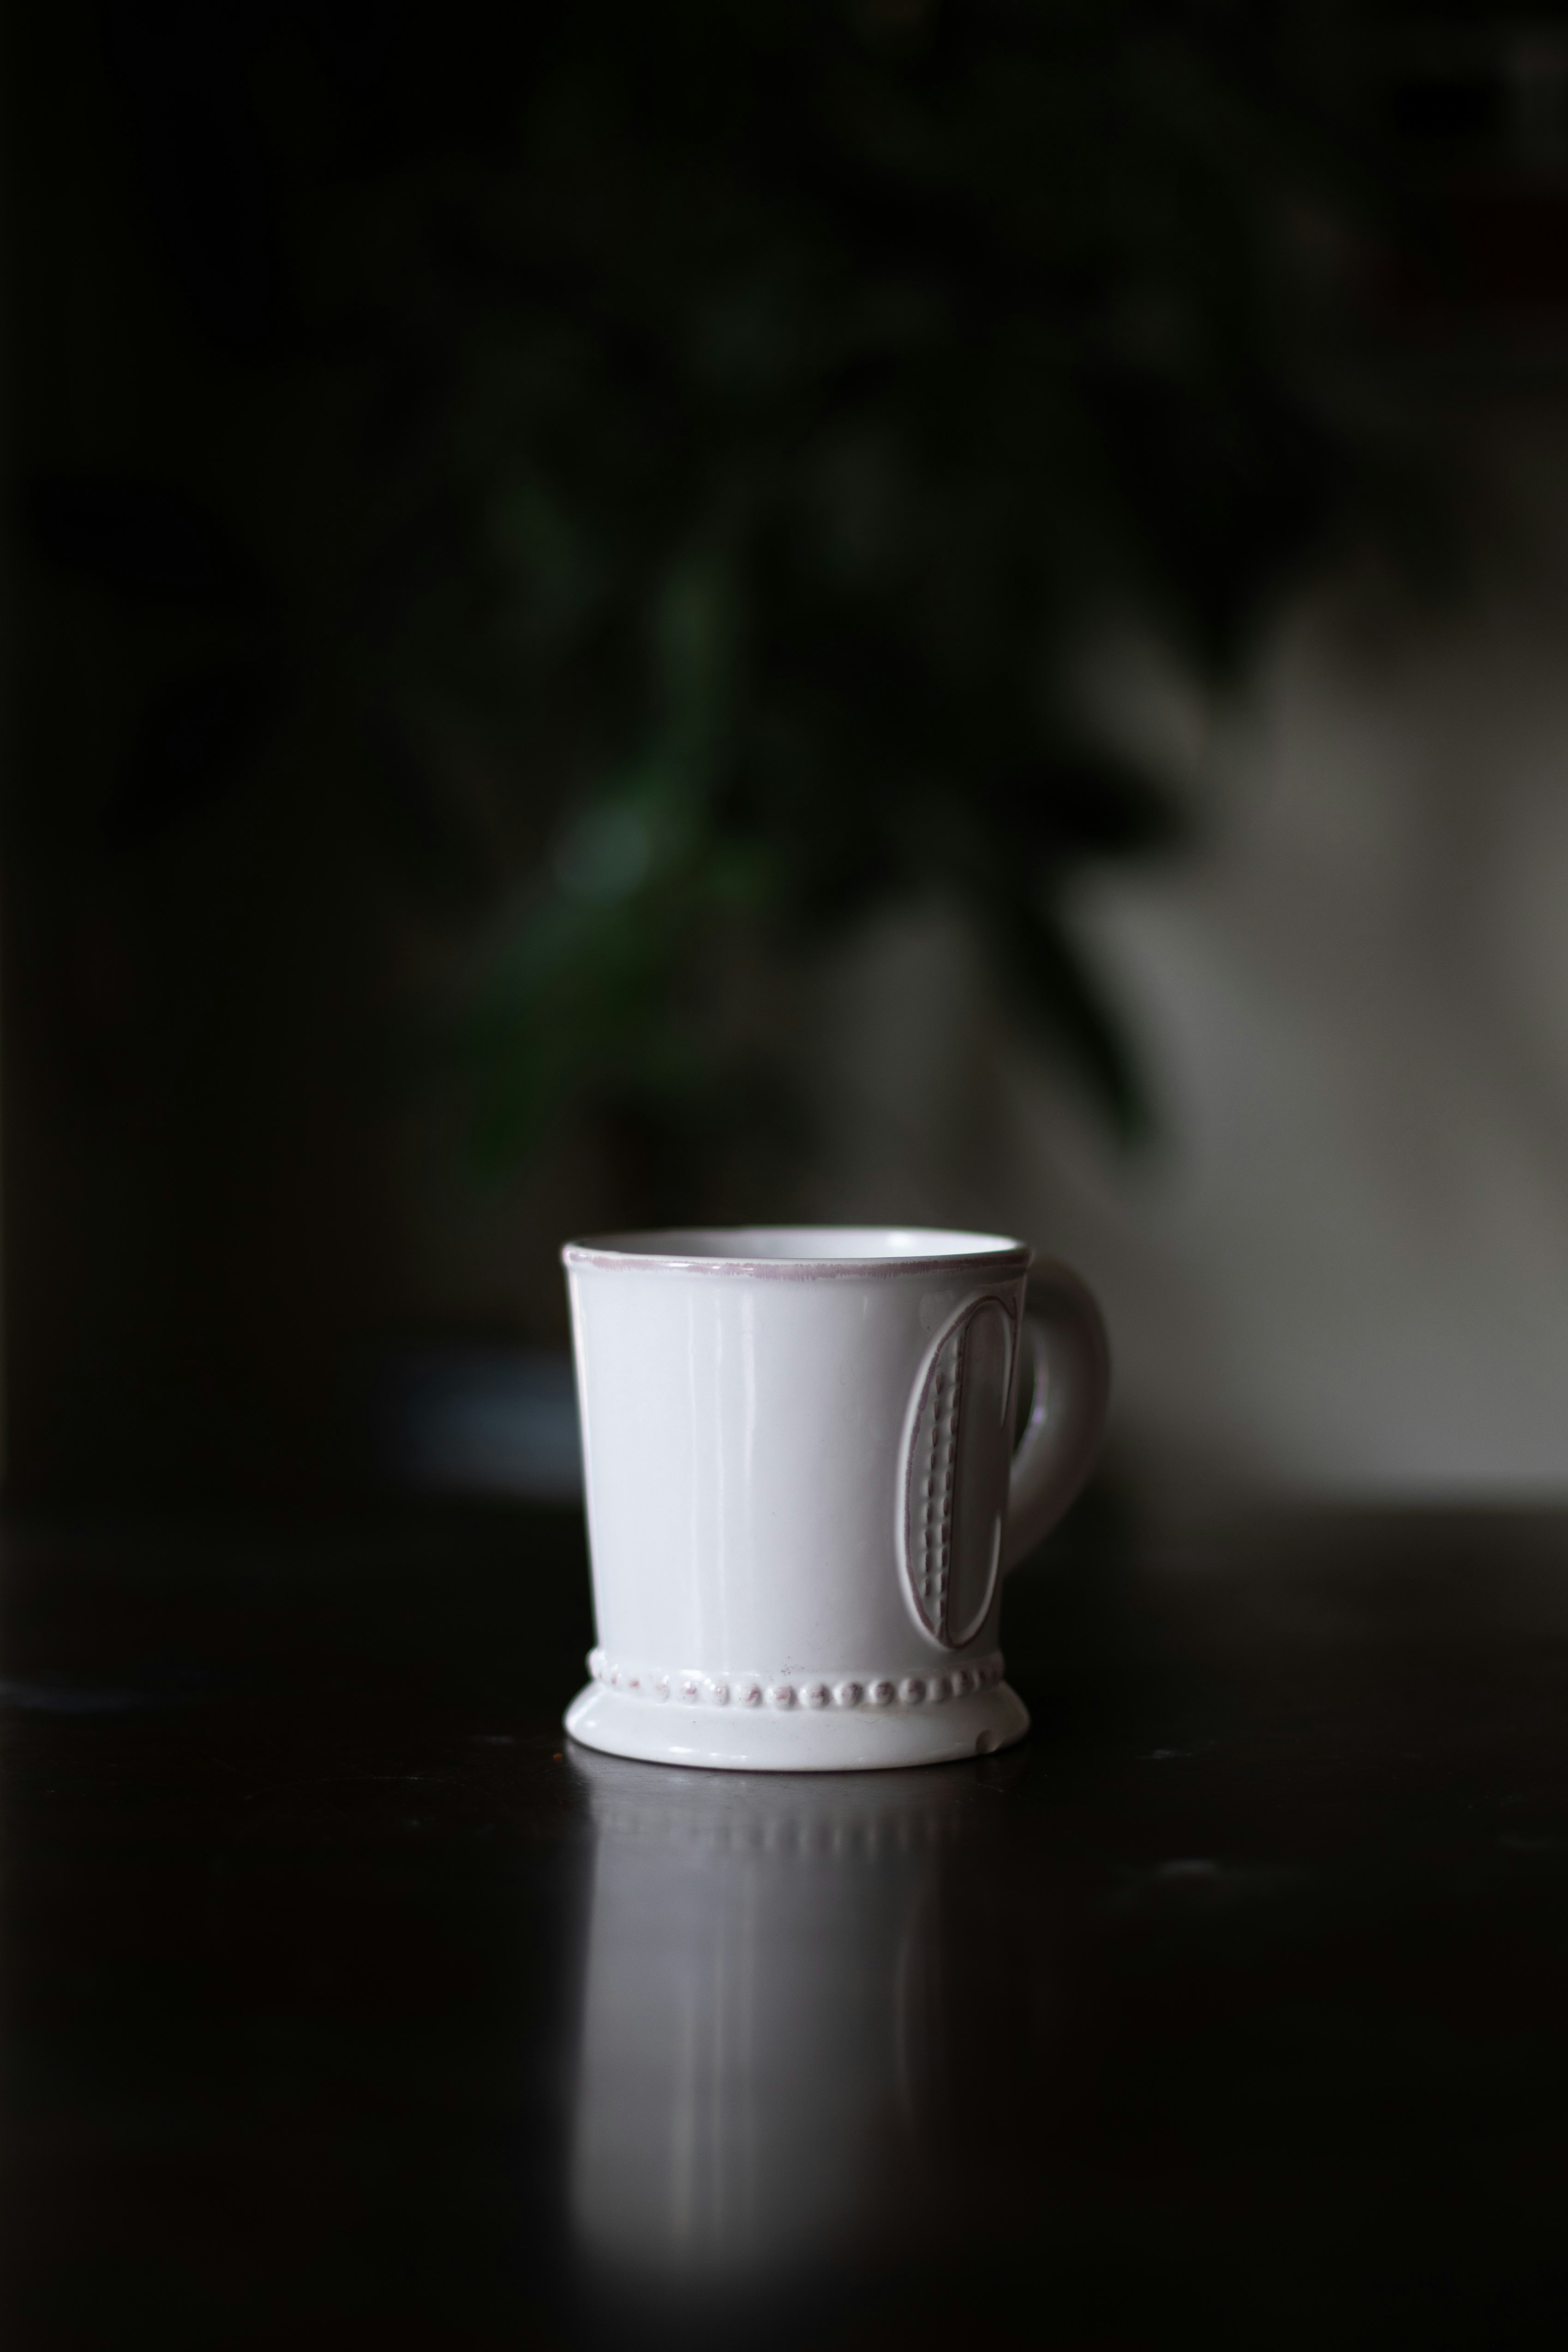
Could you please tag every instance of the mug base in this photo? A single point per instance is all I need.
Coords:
(746, 1739)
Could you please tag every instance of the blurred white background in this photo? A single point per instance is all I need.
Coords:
(1343, 1267)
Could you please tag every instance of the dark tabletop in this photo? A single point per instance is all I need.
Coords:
(345, 2002)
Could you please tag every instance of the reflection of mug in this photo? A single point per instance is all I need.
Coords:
(802, 1490)
(782, 1979)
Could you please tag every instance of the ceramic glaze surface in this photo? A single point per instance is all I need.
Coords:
(796, 1457)
(956, 1475)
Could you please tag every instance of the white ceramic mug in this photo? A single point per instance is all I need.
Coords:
(802, 1490)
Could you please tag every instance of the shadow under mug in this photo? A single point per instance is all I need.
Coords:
(802, 1490)
(791, 1991)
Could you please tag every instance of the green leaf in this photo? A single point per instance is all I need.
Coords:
(1055, 990)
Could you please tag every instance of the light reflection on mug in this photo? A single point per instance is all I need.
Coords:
(787, 1996)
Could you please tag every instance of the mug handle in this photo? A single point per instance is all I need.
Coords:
(1067, 1415)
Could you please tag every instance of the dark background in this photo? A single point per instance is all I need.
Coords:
(288, 746)
(1130, 814)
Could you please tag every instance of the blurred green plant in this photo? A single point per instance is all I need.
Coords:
(745, 416)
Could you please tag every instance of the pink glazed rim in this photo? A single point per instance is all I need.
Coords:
(907, 1249)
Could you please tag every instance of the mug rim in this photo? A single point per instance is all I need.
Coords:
(900, 1252)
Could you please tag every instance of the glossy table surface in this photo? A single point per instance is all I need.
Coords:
(345, 2002)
